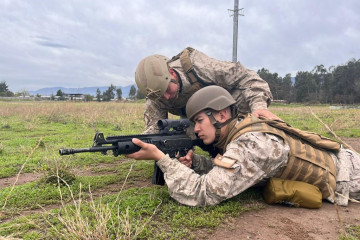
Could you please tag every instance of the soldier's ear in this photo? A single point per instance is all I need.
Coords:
(224, 115)
(172, 72)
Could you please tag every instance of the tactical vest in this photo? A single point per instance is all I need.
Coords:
(195, 81)
(186, 64)
(309, 157)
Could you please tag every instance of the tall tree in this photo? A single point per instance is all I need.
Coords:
(322, 80)
(345, 82)
(3, 87)
(4, 90)
(273, 80)
(60, 94)
(286, 88)
(98, 95)
(119, 93)
(132, 92)
(24, 92)
(305, 86)
(109, 93)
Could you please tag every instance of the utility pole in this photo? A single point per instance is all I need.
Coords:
(235, 28)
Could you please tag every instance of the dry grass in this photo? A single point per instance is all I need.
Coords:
(88, 113)
(115, 112)
(95, 219)
(337, 120)
(82, 110)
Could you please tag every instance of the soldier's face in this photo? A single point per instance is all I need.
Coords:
(204, 129)
(171, 91)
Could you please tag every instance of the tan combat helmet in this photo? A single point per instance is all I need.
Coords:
(210, 97)
(152, 76)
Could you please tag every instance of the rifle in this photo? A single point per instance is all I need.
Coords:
(171, 139)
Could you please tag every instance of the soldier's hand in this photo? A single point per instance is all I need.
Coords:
(187, 159)
(147, 151)
(264, 113)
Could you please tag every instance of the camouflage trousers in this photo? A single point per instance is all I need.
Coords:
(348, 177)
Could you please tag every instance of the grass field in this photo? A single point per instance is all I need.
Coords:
(106, 197)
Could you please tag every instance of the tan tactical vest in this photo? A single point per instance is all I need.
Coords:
(186, 64)
(196, 82)
(309, 157)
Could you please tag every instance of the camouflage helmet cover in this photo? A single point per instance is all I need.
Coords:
(152, 76)
(210, 97)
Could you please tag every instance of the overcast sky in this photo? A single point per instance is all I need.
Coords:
(79, 43)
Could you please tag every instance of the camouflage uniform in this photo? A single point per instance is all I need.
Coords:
(247, 88)
(249, 160)
(348, 176)
(252, 157)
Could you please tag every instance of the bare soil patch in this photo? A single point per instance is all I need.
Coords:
(276, 222)
(353, 142)
(89, 171)
(19, 180)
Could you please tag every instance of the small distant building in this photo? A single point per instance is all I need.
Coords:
(74, 96)
(45, 97)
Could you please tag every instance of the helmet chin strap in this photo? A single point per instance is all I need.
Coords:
(217, 124)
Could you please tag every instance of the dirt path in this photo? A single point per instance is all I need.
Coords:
(284, 223)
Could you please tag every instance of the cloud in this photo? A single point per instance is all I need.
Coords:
(49, 43)
(91, 43)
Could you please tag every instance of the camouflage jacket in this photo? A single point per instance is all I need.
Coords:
(254, 157)
(347, 176)
(249, 160)
(248, 89)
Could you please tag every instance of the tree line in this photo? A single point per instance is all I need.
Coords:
(111, 93)
(340, 84)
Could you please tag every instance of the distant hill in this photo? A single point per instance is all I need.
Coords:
(84, 90)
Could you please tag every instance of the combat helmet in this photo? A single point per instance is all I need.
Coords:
(152, 76)
(211, 98)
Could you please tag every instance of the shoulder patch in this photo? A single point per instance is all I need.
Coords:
(224, 161)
